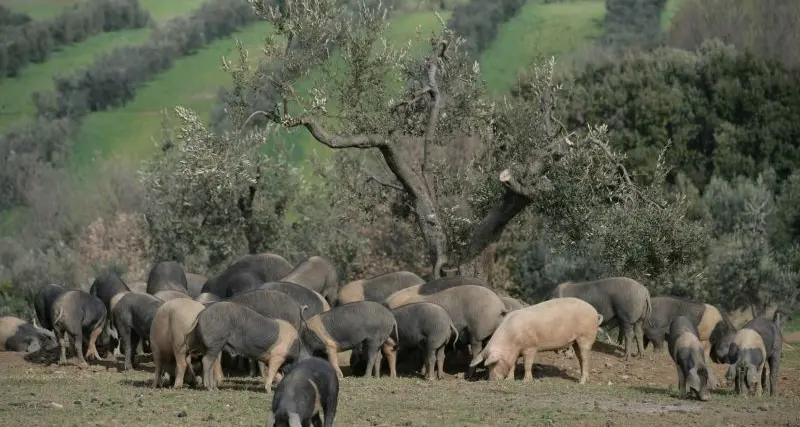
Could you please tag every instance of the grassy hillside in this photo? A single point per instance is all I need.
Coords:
(16, 105)
(539, 31)
(193, 82)
(542, 30)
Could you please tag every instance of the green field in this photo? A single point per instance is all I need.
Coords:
(16, 104)
(538, 32)
(46, 9)
(133, 130)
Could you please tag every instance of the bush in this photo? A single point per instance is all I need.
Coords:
(726, 112)
(478, 21)
(9, 18)
(33, 41)
(630, 23)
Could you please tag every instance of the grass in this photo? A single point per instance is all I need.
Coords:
(539, 31)
(16, 103)
(639, 392)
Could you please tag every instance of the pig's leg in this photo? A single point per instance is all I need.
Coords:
(92, 351)
(629, 337)
(208, 370)
(527, 359)
(430, 363)
(333, 358)
(389, 350)
(440, 362)
(681, 381)
(475, 346)
(275, 361)
(583, 350)
(639, 332)
(180, 370)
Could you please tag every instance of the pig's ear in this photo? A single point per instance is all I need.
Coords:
(476, 360)
(693, 380)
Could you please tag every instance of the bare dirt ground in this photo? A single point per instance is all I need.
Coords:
(640, 392)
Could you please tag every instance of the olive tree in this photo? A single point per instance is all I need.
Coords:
(464, 165)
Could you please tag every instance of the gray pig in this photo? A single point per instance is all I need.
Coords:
(620, 300)
(44, 303)
(364, 324)
(443, 283)
(428, 327)
(270, 304)
(319, 275)
(248, 273)
(756, 345)
(195, 284)
(241, 330)
(77, 313)
(314, 302)
(107, 286)
(688, 355)
(476, 311)
(167, 276)
(309, 393)
(19, 335)
(377, 288)
(132, 317)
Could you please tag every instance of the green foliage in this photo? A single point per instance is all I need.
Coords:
(726, 113)
(26, 150)
(572, 180)
(211, 197)
(633, 22)
(478, 21)
(10, 18)
(111, 81)
(743, 266)
(33, 41)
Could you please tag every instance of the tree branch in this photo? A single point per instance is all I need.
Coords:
(491, 227)
(336, 141)
(435, 106)
(385, 183)
(624, 172)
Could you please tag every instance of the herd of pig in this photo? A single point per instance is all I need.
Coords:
(291, 323)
